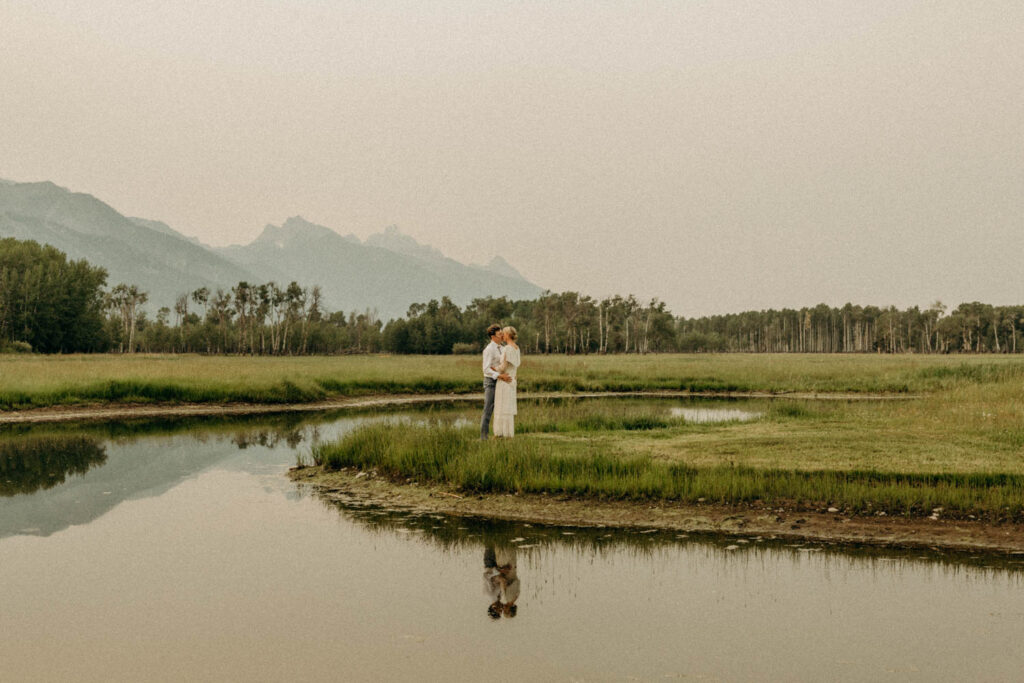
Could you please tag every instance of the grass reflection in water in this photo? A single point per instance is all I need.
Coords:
(449, 533)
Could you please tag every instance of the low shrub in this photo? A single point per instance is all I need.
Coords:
(16, 347)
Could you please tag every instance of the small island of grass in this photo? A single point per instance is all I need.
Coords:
(955, 455)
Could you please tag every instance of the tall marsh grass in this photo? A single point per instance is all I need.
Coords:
(572, 416)
(439, 452)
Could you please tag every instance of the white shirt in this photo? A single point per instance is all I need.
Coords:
(492, 358)
(492, 584)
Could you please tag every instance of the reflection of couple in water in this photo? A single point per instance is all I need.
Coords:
(501, 580)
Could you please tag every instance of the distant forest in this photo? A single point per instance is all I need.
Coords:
(49, 304)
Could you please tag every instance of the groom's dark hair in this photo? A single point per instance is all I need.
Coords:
(492, 330)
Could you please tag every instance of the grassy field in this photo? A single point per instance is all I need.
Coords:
(960, 448)
(958, 443)
(34, 381)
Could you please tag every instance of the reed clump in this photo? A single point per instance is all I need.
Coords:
(570, 416)
(441, 453)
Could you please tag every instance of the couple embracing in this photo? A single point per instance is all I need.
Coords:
(501, 361)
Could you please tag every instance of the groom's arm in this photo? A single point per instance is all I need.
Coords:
(489, 359)
(502, 367)
(502, 375)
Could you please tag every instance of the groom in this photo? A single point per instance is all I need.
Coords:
(492, 359)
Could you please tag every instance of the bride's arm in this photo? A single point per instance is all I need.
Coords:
(503, 367)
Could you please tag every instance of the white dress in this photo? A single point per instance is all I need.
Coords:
(505, 394)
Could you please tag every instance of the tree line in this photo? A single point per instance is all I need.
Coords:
(573, 323)
(48, 303)
(567, 322)
(54, 305)
(969, 328)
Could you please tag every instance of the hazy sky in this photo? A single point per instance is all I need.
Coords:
(720, 155)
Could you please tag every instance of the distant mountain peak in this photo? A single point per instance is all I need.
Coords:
(48, 186)
(297, 229)
(393, 239)
(297, 225)
(387, 274)
(133, 250)
(499, 266)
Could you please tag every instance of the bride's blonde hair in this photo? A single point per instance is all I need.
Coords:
(510, 333)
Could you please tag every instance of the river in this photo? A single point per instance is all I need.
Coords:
(181, 551)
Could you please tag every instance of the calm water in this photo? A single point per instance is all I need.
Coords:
(182, 552)
(706, 413)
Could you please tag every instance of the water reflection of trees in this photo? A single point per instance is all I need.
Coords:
(264, 429)
(29, 464)
(271, 438)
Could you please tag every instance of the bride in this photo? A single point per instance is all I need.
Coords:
(505, 392)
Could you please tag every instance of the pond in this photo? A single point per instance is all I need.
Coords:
(180, 551)
(708, 414)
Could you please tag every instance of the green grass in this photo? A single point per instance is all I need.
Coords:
(441, 453)
(33, 381)
(959, 446)
(960, 450)
(566, 416)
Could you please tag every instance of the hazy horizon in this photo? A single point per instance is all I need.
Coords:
(722, 157)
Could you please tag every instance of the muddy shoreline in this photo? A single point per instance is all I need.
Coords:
(780, 523)
(130, 411)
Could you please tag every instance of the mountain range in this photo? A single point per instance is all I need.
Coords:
(387, 272)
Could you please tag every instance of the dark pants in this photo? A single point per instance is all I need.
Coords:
(490, 558)
(485, 423)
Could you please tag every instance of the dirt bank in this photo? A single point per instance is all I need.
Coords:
(746, 521)
(130, 411)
